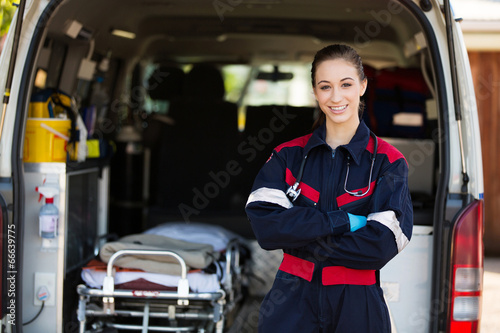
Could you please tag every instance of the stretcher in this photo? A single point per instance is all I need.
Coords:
(188, 304)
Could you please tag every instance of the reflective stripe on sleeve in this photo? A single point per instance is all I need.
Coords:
(270, 195)
(388, 218)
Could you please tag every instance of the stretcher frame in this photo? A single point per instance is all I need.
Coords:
(201, 312)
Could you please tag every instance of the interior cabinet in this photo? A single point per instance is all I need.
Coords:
(83, 208)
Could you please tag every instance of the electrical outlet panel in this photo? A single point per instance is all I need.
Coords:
(47, 281)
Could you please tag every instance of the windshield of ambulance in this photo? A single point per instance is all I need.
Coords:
(291, 87)
(257, 85)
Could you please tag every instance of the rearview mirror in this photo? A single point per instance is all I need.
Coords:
(276, 75)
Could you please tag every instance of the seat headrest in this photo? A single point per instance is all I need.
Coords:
(166, 83)
(205, 81)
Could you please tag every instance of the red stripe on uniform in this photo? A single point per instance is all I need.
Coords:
(298, 267)
(330, 275)
(306, 190)
(346, 198)
(343, 275)
(298, 142)
(371, 144)
(385, 148)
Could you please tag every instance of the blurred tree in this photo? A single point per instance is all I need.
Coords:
(7, 10)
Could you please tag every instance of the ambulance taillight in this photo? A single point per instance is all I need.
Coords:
(467, 270)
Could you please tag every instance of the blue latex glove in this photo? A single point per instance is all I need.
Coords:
(356, 221)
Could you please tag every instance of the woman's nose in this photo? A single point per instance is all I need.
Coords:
(336, 95)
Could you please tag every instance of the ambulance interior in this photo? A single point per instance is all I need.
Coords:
(187, 99)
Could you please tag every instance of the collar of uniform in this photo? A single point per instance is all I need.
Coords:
(355, 147)
(358, 143)
(316, 139)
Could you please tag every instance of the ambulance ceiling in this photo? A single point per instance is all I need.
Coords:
(235, 30)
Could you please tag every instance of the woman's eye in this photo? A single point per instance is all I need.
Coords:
(324, 87)
(346, 85)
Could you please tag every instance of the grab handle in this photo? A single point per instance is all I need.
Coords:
(183, 286)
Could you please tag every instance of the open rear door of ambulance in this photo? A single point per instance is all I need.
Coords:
(458, 244)
(10, 246)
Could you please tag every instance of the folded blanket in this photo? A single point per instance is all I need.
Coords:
(196, 255)
(197, 232)
(94, 272)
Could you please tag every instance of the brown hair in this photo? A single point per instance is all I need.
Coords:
(333, 52)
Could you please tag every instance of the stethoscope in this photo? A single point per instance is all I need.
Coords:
(293, 191)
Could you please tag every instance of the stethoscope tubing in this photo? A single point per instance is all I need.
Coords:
(293, 191)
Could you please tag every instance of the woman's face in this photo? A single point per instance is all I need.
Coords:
(338, 90)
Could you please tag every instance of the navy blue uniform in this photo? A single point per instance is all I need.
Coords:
(327, 281)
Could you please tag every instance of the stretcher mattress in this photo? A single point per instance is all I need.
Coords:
(198, 244)
(93, 275)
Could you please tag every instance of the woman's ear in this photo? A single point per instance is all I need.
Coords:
(364, 85)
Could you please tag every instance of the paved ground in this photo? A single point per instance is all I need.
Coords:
(491, 295)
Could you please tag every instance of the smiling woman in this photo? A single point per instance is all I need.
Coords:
(332, 252)
(338, 85)
(339, 81)
(338, 91)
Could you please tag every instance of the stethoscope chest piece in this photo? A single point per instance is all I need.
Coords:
(293, 193)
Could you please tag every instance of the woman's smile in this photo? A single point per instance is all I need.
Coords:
(338, 109)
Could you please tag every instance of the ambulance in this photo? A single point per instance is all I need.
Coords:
(126, 115)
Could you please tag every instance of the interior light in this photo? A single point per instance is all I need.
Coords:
(40, 78)
(123, 33)
(221, 38)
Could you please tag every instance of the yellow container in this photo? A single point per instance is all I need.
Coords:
(39, 109)
(48, 103)
(45, 140)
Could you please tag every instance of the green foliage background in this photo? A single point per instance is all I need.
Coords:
(7, 10)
